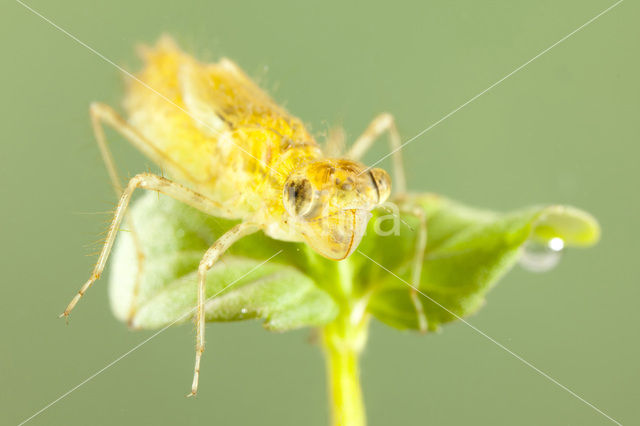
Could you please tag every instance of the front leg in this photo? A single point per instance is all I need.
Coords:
(383, 123)
(208, 260)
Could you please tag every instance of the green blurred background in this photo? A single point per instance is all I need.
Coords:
(562, 130)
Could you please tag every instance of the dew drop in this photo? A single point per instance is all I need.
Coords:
(540, 256)
(556, 244)
(243, 311)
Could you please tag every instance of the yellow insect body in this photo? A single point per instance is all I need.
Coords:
(234, 153)
(225, 138)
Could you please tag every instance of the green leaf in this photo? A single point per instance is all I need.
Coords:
(173, 238)
(468, 251)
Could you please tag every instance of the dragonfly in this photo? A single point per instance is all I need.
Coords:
(232, 152)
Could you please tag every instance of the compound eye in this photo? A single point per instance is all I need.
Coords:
(382, 184)
(298, 197)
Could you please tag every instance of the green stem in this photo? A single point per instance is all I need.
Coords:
(343, 341)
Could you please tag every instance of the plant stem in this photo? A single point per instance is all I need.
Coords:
(343, 341)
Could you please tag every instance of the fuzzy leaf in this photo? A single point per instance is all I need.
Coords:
(468, 251)
(173, 238)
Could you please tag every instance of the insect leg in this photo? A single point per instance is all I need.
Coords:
(418, 260)
(151, 182)
(208, 260)
(335, 142)
(380, 124)
(101, 113)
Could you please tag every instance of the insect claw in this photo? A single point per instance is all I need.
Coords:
(65, 314)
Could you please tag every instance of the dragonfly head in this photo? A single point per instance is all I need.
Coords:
(329, 203)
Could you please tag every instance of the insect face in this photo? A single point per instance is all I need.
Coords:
(329, 203)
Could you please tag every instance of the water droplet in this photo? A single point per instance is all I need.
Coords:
(540, 256)
(243, 311)
(556, 244)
